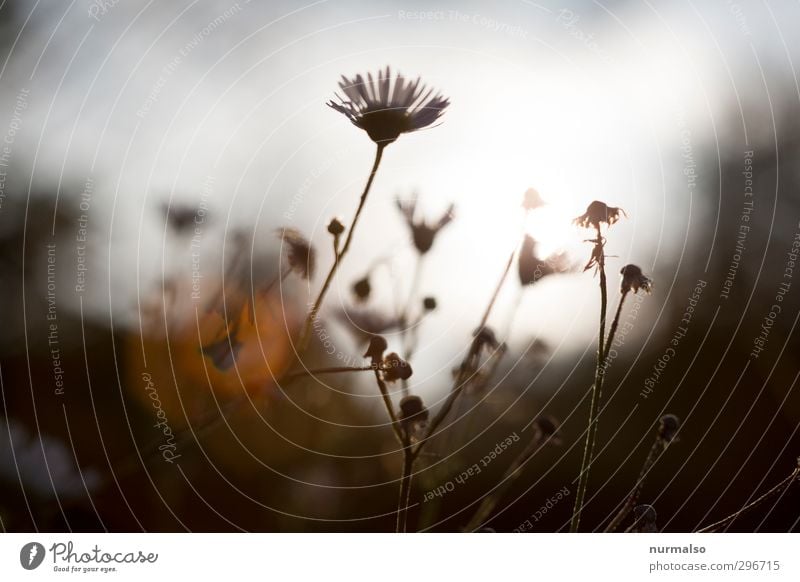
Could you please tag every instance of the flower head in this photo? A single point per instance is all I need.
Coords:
(395, 368)
(598, 212)
(362, 289)
(531, 200)
(548, 428)
(412, 409)
(423, 233)
(335, 226)
(388, 106)
(300, 254)
(668, 427)
(633, 279)
(531, 268)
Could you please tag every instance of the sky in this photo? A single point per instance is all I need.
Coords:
(223, 103)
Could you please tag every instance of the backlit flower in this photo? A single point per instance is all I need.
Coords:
(633, 279)
(422, 233)
(299, 254)
(531, 268)
(597, 213)
(388, 106)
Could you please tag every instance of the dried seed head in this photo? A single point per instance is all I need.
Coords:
(300, 254)
(531, 199)
(395, 368)
(422, 233)
(362, 289)
(597, 213)
(485, 337)
(412, 409)
(668, 427)
(633, 279)
(335, 227)
(644, 519)
(531, 268)
(429, 303)
(377, 345)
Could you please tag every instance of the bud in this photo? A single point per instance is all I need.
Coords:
(668, 427)
(362, 289)
(377, 345)
(335, 227)
(429, 303)
(395, 368)
(412, 409)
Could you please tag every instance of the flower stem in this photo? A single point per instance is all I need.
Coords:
(658, 447)
(312, 314)
(493, 498)
(591, 431)
(785, 484)
(461, 378)
(334, 370)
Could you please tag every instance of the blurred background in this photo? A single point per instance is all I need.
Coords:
(150, 153)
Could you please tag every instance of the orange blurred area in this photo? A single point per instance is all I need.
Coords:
(167, 364)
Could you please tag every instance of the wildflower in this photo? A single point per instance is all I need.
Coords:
(531, 200)
(223, 353)
(668, 428)
(300, 253)
(362, 289)
(412, 409)
(422, 233)
(377, 345)
(395, 368)
(388, 107)
(597, 213)
(633, 279)
(531, 268)
(335, 227)
(429, 303)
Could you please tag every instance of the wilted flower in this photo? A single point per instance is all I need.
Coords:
(633, 279)
(377, 345)
(395, 368)
(412, 409)
(335, 227)
(531, 268)
(423, 233)
(644, 519)
(531, 200)
(362, 289)
(300, 254)
(223, 353)
(389, 106)
(597, 213)
(429, 303)
(668, 427)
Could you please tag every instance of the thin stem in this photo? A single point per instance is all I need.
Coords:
(785, 484)
(408, 336)
(461, 379)
(312, 314)
(387, 402)
(591, 431)
(408, 462)
(658, 447)
(493, 498)
(333, 370)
